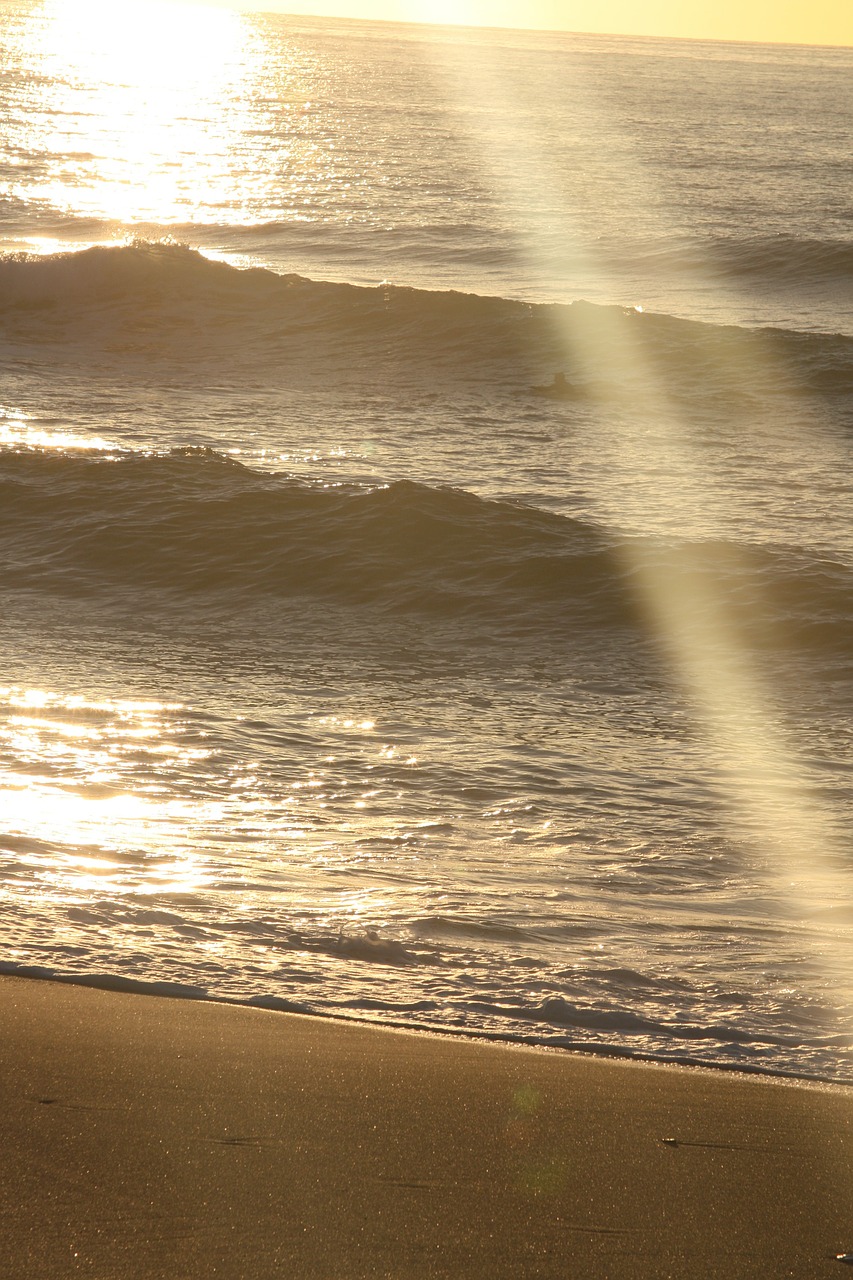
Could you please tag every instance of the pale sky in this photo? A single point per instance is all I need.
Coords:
(789, 21)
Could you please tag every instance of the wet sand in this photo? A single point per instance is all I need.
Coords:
(152, 1138)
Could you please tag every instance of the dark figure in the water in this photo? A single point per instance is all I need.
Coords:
(559, 389)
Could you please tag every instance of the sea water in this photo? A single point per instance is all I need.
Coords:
(349, 663)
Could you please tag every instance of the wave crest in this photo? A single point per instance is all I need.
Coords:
(166, 302)
(195, 524)
(194, 521)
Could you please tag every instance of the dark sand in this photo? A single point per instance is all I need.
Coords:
(146, 1137)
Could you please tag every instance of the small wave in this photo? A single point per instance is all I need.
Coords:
(372, 948)
(194, 524)
(458, 927)
(558, 1011)
(778, 259)
(786, 258)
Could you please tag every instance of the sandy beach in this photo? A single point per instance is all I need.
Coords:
(146, 1137)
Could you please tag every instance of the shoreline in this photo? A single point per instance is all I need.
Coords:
(119, 985)
(153, 1138)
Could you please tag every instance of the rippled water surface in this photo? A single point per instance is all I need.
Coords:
(351, 662)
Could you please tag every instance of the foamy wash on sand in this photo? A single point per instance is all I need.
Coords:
(342, 669)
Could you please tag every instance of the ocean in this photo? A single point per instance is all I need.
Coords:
(427, 527)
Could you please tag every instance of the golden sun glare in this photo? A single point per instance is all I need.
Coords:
(140, 111)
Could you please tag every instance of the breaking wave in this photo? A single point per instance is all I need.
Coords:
(164, 301)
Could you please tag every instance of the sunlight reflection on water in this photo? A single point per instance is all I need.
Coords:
(69, 782)
(139, 119)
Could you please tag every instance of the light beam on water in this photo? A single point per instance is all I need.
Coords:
(763, 780)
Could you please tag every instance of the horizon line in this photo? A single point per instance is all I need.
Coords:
(555, 31)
